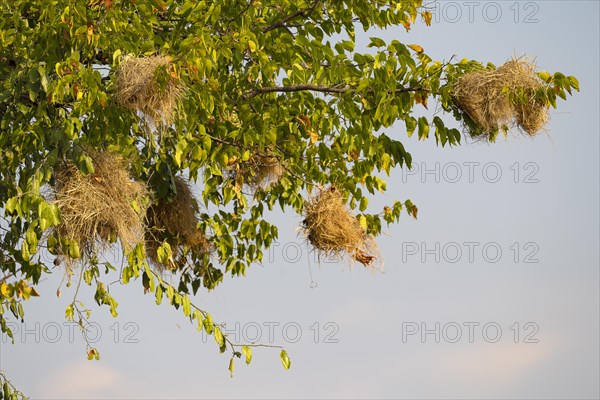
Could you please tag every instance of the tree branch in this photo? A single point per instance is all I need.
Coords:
(316, 88)
(305, 12)
(296, 88)
(230, 20)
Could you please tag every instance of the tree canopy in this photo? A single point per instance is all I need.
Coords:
(112, 112)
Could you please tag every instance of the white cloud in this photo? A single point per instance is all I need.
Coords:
(491, 367)
(81, 379)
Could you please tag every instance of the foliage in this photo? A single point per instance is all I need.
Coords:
(8, 391)
(258, 77)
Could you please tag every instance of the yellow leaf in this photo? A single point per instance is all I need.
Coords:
(90, 33)
(219, 336)
(413, 15)
(314, 136)
(93, 353)
(413, 211)
(233, 160)
(247, 351)
(363, 222)
(69, 312)
(78, 93)
(416, 48)
(239, 182)
(421, 99)
(173, 72)
(305, 120)
(545, 76)
(406, 25)
(231, 368)
(285, 359)
(427, 16)
(6, 290)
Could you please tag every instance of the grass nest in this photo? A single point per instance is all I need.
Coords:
(263, 171)
(497, 99)
(151, 86)
(175, 221)
(98, 208)
(531, 116)
(332, 230)
(259, 172)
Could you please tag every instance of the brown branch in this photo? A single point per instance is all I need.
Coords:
(317, 88)
(296, 88)
(230, 20)
(305, 12)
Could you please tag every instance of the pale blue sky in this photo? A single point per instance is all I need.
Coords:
(553, 220)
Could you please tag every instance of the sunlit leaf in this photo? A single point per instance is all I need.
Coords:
(285, 360)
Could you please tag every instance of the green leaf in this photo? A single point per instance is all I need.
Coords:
(574, 83)
(74, 251)
(179, 152)
(363, 204)
(11, 204)
(197, 153)
(87, 164)
(113, 307)
(423, 128)
(411, 125)
(116, 57)
(376, 42)
(159, 294)
(545, 76)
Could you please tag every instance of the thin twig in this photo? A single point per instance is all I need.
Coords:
(305, 12)
(316, 88)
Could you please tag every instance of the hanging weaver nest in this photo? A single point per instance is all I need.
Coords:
(259, 172)
(98, 208)
(175, 222)
(531, 116)
(496, 99)
(263, 171)
(333, 231)
(149, 85)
